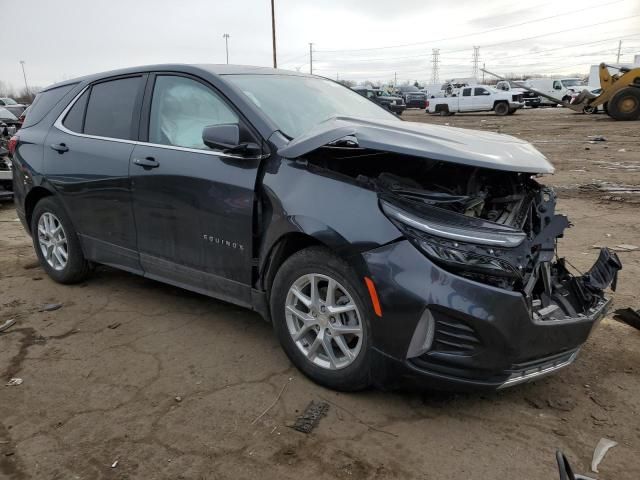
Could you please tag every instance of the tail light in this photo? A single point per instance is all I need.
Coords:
(13, 143)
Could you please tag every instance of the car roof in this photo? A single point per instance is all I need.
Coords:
(215, 69)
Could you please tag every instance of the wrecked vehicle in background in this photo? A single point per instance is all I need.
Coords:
(383, 252)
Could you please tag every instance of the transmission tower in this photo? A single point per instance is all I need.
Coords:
(476, 59)
(434, 67)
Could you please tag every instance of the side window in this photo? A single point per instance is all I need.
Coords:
(480, 91)
(110, 108)
(75, 117)
(466, 92)
(557, 85)
(181, 108)
(371, 94)
(44, 102)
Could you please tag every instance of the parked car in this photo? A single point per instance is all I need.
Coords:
(530, 99)
(7, 117)
(415, 100)
(383, 252)
(13, 106)
(555, 87)
(390, 102)
(476, 98)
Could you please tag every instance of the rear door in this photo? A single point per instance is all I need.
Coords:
(87, 161)
(193, 205)
(466, 100)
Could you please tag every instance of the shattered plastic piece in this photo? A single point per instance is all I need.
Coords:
(311, 416)
(50, 307)
(113, 326)
(114, 464)
(629, 316)
(603, 446)
(14, 382)
(625, 247)
(6, 325)
(597, 138)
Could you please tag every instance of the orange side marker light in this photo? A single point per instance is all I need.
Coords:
(374, 296)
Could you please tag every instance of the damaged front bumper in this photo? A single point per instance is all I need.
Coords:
(454, 333)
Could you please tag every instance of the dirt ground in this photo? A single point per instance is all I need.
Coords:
(174, 385)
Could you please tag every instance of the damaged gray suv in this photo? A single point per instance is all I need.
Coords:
(383, 252)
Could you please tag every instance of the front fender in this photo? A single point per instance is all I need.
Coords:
(330, 208)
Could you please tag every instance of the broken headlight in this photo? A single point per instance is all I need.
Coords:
(467, 252)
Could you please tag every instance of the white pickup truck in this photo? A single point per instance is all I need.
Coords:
(476, 98)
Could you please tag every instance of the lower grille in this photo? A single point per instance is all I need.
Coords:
(455, 337)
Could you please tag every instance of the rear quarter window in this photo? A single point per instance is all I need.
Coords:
(44, 102)
(111, 107)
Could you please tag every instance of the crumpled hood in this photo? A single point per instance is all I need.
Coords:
(456, 145)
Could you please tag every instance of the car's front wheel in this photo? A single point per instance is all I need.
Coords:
(321, 314)
(56, 243)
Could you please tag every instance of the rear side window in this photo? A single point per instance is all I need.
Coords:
(110, 108)
(466, 92)
(44, 102)
(75, 118)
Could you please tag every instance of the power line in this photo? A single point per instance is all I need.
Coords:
(469, 34)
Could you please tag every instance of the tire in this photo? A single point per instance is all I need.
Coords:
(625, 104)
(589, 110)
(501, 108)
(512, 111)
(76, 268)
(344, 373)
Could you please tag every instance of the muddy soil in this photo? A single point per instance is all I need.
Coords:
(170, 384)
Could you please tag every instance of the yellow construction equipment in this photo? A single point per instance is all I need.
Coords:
(619, 97)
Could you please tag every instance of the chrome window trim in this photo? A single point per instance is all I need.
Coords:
(59, 125)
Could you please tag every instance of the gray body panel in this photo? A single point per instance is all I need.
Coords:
(456, 145)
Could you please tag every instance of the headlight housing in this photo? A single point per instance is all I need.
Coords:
(467, 250)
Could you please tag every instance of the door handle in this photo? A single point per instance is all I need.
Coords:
(59, 147)
(147, 162)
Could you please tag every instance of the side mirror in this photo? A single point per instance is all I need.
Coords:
(221, 137)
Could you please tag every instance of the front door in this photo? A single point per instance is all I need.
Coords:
(87, 161)
(193, 205)
(481, 99)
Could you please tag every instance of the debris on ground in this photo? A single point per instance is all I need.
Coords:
(311, 416)
(50, 307)
(603, 446)
(563, 404)
(8, 324)
(114, 464)
(625, 247)
(274, 402)
(113, 326)
(178, 399)
(629, 316)
(14, 382)
(596, 138)
(610, 187)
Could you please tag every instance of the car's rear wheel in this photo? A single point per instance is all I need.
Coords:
(56, 243)
(321, 317)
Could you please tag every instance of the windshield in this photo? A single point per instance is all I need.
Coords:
(9, 101)
(296, 103)
(571, 83)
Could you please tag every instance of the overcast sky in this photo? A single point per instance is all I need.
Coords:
(355, 39)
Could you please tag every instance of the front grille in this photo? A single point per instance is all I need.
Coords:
(516, 98)
(455, 337)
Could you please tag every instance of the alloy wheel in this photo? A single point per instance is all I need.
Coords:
(324, 321)
(53, 241)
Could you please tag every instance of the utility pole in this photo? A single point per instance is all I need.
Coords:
(395, 79)
(311, 58)
(619, 48)
(435, 77)
(476, 58)
(273, 33)
(226, 44)
(26, 86)
(483, 67)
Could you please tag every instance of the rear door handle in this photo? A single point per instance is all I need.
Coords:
(147, 162)
(59, 147)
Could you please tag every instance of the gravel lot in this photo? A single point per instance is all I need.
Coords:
(170, 384)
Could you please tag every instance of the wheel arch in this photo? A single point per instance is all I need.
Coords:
(31, 200)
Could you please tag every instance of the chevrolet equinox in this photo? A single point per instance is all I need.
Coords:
(384, 252)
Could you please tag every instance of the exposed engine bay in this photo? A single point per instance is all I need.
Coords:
(495, 227)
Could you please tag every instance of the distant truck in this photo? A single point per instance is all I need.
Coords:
(555, 87)
(390, 102)
(476, 98)
(530, 99)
